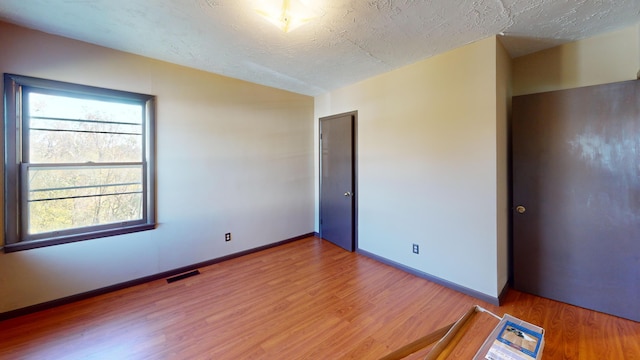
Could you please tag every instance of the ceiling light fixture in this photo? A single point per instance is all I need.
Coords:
(286, 14)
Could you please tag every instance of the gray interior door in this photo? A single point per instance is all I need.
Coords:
(576, 196)
(337, 185)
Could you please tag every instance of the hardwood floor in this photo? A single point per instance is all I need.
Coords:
(303, 300)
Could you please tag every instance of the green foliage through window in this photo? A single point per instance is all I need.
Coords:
(79, 162)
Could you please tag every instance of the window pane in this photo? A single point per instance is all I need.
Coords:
(71, 130)
(78, 164)
(63, 198)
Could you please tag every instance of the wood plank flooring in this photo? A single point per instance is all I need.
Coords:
(304, 300)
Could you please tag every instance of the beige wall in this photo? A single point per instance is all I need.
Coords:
(234, 156)
(503, 113)
(428, 165)
(231, 157)
(601, 59)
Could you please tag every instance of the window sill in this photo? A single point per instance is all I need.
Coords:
(34, 244)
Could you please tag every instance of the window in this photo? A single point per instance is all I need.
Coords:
(79, 162)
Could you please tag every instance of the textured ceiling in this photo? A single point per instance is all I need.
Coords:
(351, 40)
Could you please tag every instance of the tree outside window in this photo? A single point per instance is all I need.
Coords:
(78, 162)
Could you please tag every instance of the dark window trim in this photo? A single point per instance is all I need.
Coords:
(13, 88)
(34, 244)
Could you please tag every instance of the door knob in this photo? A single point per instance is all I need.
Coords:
(348, 193)
(521, 209)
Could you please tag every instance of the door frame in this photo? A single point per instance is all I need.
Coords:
(354, 172)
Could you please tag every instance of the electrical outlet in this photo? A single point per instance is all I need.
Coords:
(227, 237)
(416, 249)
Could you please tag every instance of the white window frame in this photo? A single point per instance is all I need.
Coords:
(16, 167)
